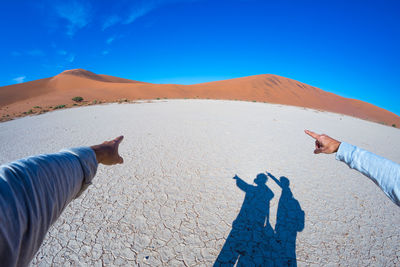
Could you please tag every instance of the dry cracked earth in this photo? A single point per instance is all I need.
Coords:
(193, 190)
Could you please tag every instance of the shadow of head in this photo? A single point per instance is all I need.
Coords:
(261, 179)
(284, 181)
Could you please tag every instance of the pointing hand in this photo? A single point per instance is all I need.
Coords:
(324, 143)
(107, 152)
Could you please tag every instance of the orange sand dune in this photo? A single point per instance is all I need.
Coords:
(60, 89)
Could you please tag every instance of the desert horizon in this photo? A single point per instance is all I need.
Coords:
(43, 95)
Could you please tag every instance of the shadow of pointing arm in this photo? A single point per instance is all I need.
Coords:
(275, 180)
(241, 184)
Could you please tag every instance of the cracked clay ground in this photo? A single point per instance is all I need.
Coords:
(174, 202)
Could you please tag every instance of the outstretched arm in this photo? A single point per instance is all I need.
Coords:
(383, 172)
(241, 184)
(34, 191)
(275, 180)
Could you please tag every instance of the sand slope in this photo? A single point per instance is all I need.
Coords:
(173, 202)
(58, 90)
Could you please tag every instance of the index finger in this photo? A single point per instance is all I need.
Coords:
(119, 139)
(312, 134)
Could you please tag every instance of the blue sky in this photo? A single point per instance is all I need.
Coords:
(350, 48)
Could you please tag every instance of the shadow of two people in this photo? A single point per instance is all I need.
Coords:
(252, 241)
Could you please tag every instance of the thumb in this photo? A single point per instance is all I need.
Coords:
(117, 141)
(318, 150)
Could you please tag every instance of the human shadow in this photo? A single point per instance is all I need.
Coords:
(289, 220)
(246, 241)
(252, 241)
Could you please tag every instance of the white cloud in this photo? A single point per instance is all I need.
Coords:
(137, 9)
(142, 8)
(20, 79)
(68, 56)
(110, 21)
(110, 40)
(76, 13)
(71, 58)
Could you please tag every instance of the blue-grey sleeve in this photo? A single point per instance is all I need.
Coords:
(383, 172)
(33, 193)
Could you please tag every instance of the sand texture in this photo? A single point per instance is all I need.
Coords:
(174, 202)
(47, 94)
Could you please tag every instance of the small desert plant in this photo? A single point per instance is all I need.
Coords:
(77, 99)
(75, 104)
(59, 106)
(254, 101)
(30, 111)
(94, 101)
(36, 107)
(122, 100)
(394, 125)
(158, 98)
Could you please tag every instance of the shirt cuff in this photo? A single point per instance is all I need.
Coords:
(345, 152)
(89, 164)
